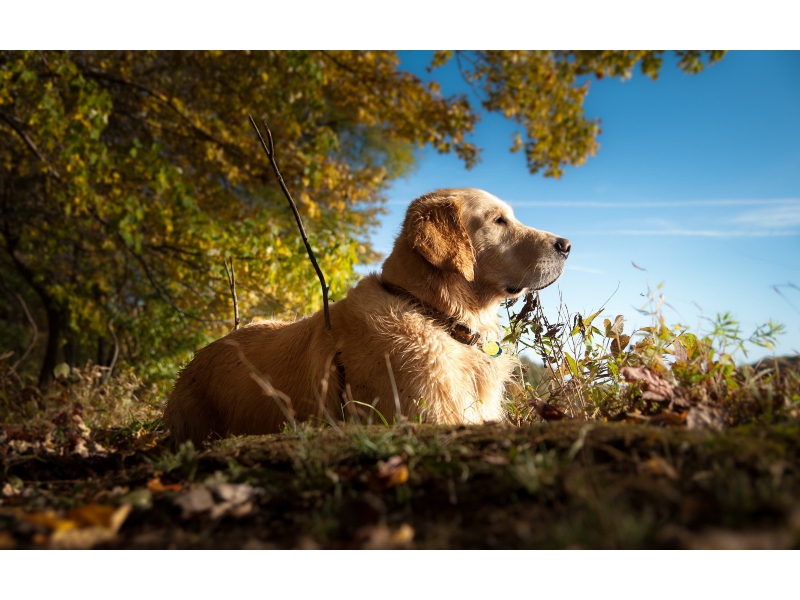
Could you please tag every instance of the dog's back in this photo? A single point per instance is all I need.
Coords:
(250, 381)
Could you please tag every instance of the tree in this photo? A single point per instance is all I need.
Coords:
(127, 177)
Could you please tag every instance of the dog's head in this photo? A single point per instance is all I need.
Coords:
(473, 233)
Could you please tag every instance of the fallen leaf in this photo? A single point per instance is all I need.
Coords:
(380, 537)
(145, 441)
(9, 490)
(102, 515)
(236, 493)
(80, 449)
(669, 418)
(658, 465)
(155, 486)
(707, 416)
(391, 472)
(653, 387)
(50, 519)
(548, 412)
(632, 417)
(195, 501)
(235, 500)
(81, 528)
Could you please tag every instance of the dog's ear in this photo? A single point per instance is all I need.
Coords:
(434, 229)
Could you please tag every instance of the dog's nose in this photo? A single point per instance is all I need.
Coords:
(563, 246)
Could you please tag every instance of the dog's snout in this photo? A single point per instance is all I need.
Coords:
(563, 246)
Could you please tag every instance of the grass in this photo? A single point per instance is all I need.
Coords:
(646, 439)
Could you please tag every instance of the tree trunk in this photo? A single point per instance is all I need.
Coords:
(70, 349)
(55, 324)
(55, 317)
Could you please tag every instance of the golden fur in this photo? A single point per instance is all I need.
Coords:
(460, 251)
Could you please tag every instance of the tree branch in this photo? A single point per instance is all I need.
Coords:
(270, 150)
(232, 282)
(163, 293)
(34, 333)
(98, 74)
(12, 122)
(107, 375)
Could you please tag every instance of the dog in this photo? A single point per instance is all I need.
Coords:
(420, 339)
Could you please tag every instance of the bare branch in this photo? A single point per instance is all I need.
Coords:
(160, 290)
(399, 412)
(116, 353)
(232, 282)
(16, 126)
(270, 150)
(34, 333)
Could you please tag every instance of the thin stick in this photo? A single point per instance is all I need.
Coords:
(270, 150)
(399, 416)
(116, 353)
(16, 125)
(282, 400)
(232, 283)
(34, 332)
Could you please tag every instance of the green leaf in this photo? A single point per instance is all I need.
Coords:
(61, 370)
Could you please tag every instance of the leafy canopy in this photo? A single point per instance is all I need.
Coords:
(127, 177)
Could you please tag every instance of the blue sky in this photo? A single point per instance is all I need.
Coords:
(697, 180)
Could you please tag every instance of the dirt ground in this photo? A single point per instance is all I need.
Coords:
(559, 485)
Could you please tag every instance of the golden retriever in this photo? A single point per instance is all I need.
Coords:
(412, 339)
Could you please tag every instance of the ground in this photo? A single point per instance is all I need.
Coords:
(571, 484)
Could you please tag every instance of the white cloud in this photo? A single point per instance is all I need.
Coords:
(777, 217)
(771, 218)
(789, 202)
(716, 233)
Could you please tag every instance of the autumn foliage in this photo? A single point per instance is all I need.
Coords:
(127, 177)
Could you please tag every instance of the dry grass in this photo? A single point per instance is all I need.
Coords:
(103, 402)
(662, 374)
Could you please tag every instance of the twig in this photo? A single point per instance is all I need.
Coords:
(282, 400)
(163, 293)
(323, 397)
(107, 375)
(270, 150)
(396, 396)
(16, 125)
(34, 334)
(232, 283)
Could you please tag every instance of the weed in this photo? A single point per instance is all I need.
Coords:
(122, 400)
(186, 459)
(586, 370)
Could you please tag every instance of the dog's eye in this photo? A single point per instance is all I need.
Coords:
(501, 221)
